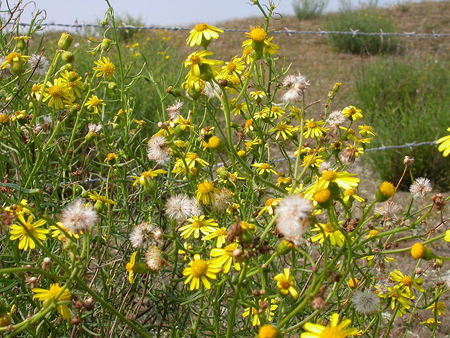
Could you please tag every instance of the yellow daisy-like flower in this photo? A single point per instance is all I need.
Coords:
(235, 66)
(146, 175)
(407, 283)
(343, 179)
(12, 58)
(95, 103)
(314, 128)
(73, 81)
(267, 331)
(285, 283)
(269, 206)
(196, 225)
(372, 233)
(57, 93)
(221, 235)
(224, 257)
(430, 322)
(55, 293)
(366, 130)
(398, 297)
(205, 192)
(197, 59)
(438, 307)
(105, 68)
(192, 160)
(445, 144)
(200, 270)
(350, 194)
(130, 267)
(264, 168)
(334, 330)
(202, 35)
(255, 313)
(28, 232)
(327, 231)
(282, 129)
(352, 113)
(257, 34)
(60, 231)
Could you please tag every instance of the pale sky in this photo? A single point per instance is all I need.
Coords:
(160, 12)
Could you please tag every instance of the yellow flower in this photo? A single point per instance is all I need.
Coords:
(445, 144)
(398, 297)
(327, 231)
(55, 292)
(130, 267)
(73, 81)
(146, 175)
(267, 331)
(372, 233)
(105, 68)
(343, 179)
(28, 232)
(60, 231)
(314, 128)
(235, 66)
(335, 330)
(431, 322)
(437, 307)
(255, 313)
(353, 282)
(94, 103)
(264, 168)
(205, 192)
(385, 191)
(419, 251)
(407, 283)
(447, 236)
(224, 257)
(285, 283)
(269, 206)
(12, 58)
(202, 35)
(198, 271)
(366, 130)
(197, 225)
(197, 59)
(350, 194)
(352, 113)
(192, 160)
(282, 129)
(56, 93)
(221, 235)
(257, 34)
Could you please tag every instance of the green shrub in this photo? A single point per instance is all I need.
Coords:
(307, 9)
(367, 21)
(405, 102)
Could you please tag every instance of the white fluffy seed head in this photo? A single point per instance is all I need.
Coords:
(365, 302)
(292, 217)
(180, 207)
(420, 187)
(154, 259)
(158, 150)
(78, 217)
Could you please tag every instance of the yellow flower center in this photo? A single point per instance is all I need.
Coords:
(248, 123)
(332, 332)
(201, 27)
(311, 124)
(36, 88)
(349, 192)
(195, 60)
(322, 195)
(373, 232)
(281, 127)
(269, 202)
(265, 166)
(95, 101)
(221, 232)
(406, 280)
(197, 224)
(417, 251)
(329, 176)
(12, 57)
(351, 111)
(387, 189)
(129, 267)
(285, 284)
(257, 34)
(205, 187)
(109, 68)
(56, 91)
(199, 268)
(267, 331)
(231, 67)
(328, 228)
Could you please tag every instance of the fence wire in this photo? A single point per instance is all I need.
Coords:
(285, 30)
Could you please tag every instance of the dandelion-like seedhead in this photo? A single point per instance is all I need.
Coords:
(38, 62)
(292, 217)
(78, 217)
(158, 150)
(181, 207)
(420, 187)
(365, 302)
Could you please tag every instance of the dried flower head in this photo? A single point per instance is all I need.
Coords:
(78, 217)
(154, 259)
(174, 110)
(293, 212)
(141, 235)
(158, 150)
(180, 207)
(38, 62)
(365, 302)
(420, 187)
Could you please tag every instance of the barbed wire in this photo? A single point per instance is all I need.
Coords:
(285, 30)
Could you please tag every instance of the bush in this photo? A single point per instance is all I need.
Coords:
(367, 21)
(307, 9)
(406, 102)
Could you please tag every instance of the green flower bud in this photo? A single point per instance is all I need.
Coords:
(65, 41)
(68, 57)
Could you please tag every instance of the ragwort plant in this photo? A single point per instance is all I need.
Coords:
(239, 217)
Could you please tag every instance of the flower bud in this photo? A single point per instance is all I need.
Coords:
(284, 247)
(68, 57)
(65, 41)
(385, 191)
(112, 85)
(418, 250)
(106, 43)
